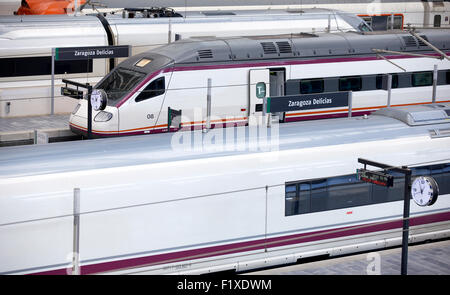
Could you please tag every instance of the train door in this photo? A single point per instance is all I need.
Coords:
(277, 81)
(259, 87)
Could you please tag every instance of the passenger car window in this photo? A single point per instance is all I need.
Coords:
(422, 79)
(153, 89)
(311, 86)
(350, 83)
(41, 65)
(379, 81)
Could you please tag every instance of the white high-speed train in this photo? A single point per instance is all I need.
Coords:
(141, 90)
(425, 13)
(26, 44)
(230, 199)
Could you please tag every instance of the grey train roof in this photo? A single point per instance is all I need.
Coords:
(210, 50)
(157, 148)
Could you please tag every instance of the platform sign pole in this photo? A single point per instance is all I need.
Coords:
(389, 89)
(329, 24)
(76, 232)
(52, 90)
(392, 21)
(435, 77)
(264, 112)
(406, 205)
(208, 106)
(350, 102)
(89, 120)
(170, 32)
(404, 269)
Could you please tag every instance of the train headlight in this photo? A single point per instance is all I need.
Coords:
(103, 116)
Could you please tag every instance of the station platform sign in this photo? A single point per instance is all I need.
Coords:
(375, 177)
(307, 102)
(82, 53)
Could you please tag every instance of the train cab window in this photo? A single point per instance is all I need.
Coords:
(350, 83)
(153, 89)
(422, 79)
(364, 27)
(311, 86)
(447, 77)
(119, 82)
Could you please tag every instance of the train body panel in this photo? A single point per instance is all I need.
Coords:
(151, 204)
(227, 102)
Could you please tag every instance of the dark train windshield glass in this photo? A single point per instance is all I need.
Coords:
(119, 82)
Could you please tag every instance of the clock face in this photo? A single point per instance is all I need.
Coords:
(98, 99)
(424, 191)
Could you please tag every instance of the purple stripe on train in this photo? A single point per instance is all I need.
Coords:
(252, 245)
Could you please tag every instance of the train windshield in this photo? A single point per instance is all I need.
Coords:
(119, 82)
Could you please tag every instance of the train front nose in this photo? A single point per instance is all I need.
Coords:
(104, 123)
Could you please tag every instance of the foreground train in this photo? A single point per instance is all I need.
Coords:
(230, 199)
(26, 44)
(142, 89)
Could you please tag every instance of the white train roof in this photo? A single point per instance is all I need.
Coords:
(157, 148)
(216, 4)
(19, 33)
(190, 16)
(247, 14)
